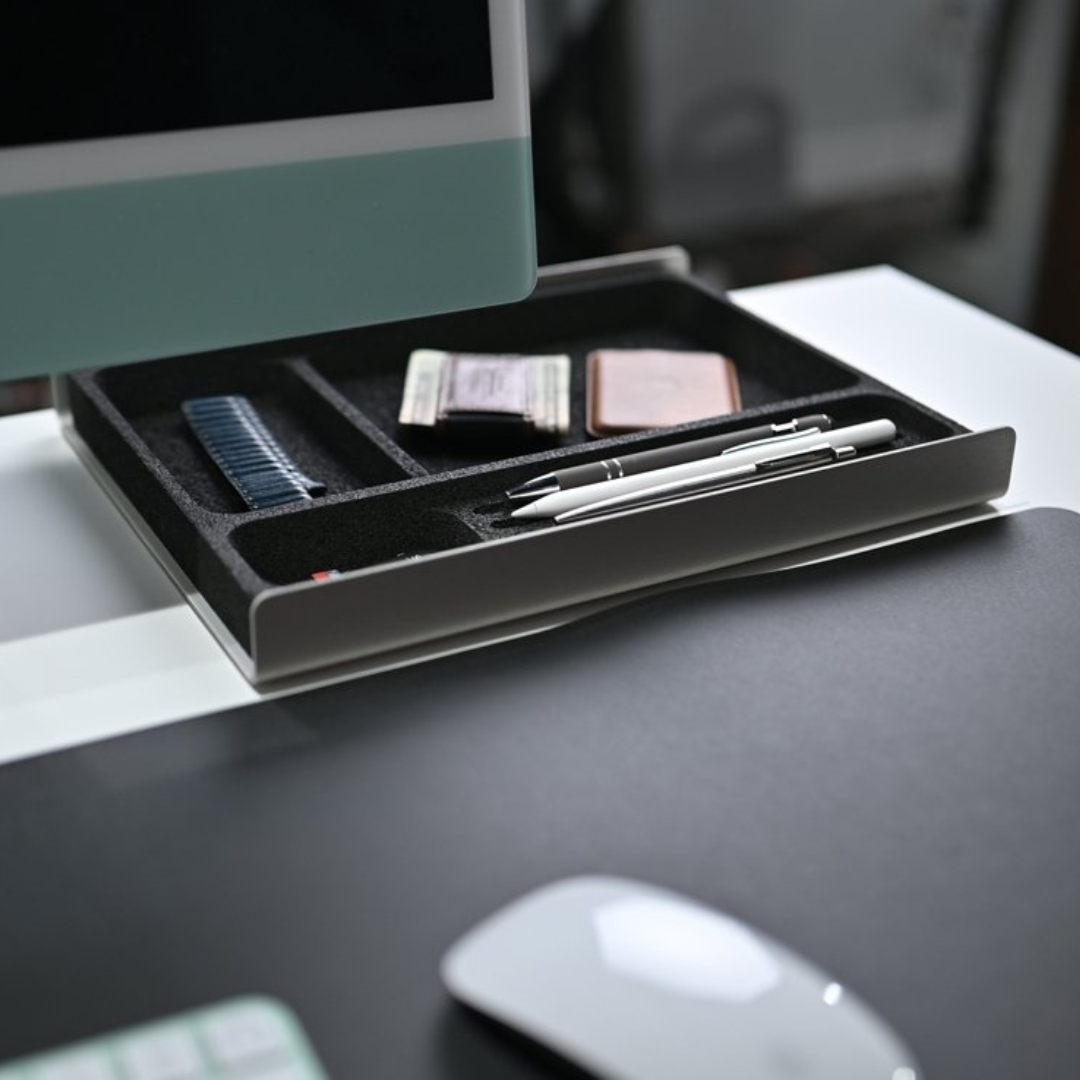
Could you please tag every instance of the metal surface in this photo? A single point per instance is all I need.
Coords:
(483, 585)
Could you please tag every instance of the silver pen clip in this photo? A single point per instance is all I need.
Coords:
(820, 454)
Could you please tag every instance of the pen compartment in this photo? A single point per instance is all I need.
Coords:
(413, 512)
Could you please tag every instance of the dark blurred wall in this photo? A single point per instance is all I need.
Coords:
(776, 140)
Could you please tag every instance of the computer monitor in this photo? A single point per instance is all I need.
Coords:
(180, 177)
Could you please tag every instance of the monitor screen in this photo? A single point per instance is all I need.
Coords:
(91, 71)
(181, 177)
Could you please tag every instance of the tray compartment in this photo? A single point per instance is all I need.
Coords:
(323, 440)
(348, 536)
(639, 314)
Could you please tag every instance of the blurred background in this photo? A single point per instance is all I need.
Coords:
(780, 138)
(777, 139)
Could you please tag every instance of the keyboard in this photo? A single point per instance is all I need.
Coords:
(242, 1039)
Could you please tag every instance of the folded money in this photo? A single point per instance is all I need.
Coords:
(474, 393)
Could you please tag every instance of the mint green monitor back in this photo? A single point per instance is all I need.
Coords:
(187, 231)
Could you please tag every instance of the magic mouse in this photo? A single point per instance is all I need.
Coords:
(633, 982)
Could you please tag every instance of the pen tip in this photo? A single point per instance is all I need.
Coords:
(533, 489)
(524, 512)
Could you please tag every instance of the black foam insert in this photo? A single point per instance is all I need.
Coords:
(332, 401)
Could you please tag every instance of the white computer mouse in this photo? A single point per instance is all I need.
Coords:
(633, 982)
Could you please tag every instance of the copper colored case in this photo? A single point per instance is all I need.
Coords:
(640, 389)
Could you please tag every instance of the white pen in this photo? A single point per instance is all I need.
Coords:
(858, 436)
(677, 490)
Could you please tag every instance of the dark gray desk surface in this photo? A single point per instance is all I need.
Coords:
(876, 760)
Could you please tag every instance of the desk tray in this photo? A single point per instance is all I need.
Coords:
(332, 401)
